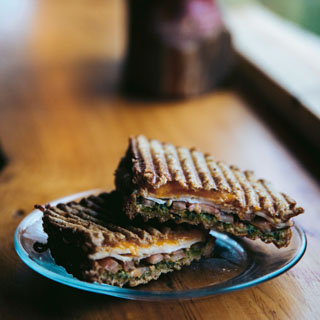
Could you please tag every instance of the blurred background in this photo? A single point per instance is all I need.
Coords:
(238, 79)
(78, 55)
(304, 13)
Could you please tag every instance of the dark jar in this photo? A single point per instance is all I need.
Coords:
(176, 48)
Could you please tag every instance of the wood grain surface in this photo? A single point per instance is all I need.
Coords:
(63, 128)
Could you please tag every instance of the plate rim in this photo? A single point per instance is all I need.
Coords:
(132, 293)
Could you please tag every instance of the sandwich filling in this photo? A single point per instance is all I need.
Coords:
(211, 215)
(130, 262)
(163, 181)
(128, 251)
(95, 242)
(222, 212)
(136, 271)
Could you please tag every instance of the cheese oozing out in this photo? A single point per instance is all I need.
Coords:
(174, 190)
(127, 251)
(182, 198)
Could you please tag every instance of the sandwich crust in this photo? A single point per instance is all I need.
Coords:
(78, 232)
(163, 170)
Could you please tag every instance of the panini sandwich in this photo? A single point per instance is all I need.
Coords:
(93, 241)
(159, 180)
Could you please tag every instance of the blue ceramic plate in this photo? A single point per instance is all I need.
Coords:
(237, 264)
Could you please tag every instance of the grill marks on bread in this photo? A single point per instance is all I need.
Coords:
(157, 164)
(92, 217)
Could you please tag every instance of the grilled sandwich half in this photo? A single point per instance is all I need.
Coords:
(95, 242)
(159, 180)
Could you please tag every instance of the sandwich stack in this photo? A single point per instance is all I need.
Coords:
(93, 241)
(167, 199)
(159, 180)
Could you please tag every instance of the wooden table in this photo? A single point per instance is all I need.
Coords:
(63, 127)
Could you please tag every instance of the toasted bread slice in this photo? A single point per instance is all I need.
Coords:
(97, 244)
(159, 180)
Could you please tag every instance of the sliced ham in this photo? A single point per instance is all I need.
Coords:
(156, 258)
(148, 203)
(209, 209)
(248, 216)
(128, 265)
(262, 224)
(179, 205)
(226, 217)
(177, 255)
(196, 207)
(259, 219)
(138, 272)
(110, 265)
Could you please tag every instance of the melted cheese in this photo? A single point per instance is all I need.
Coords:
(175, 191)
(127, 251)
(182, 198)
